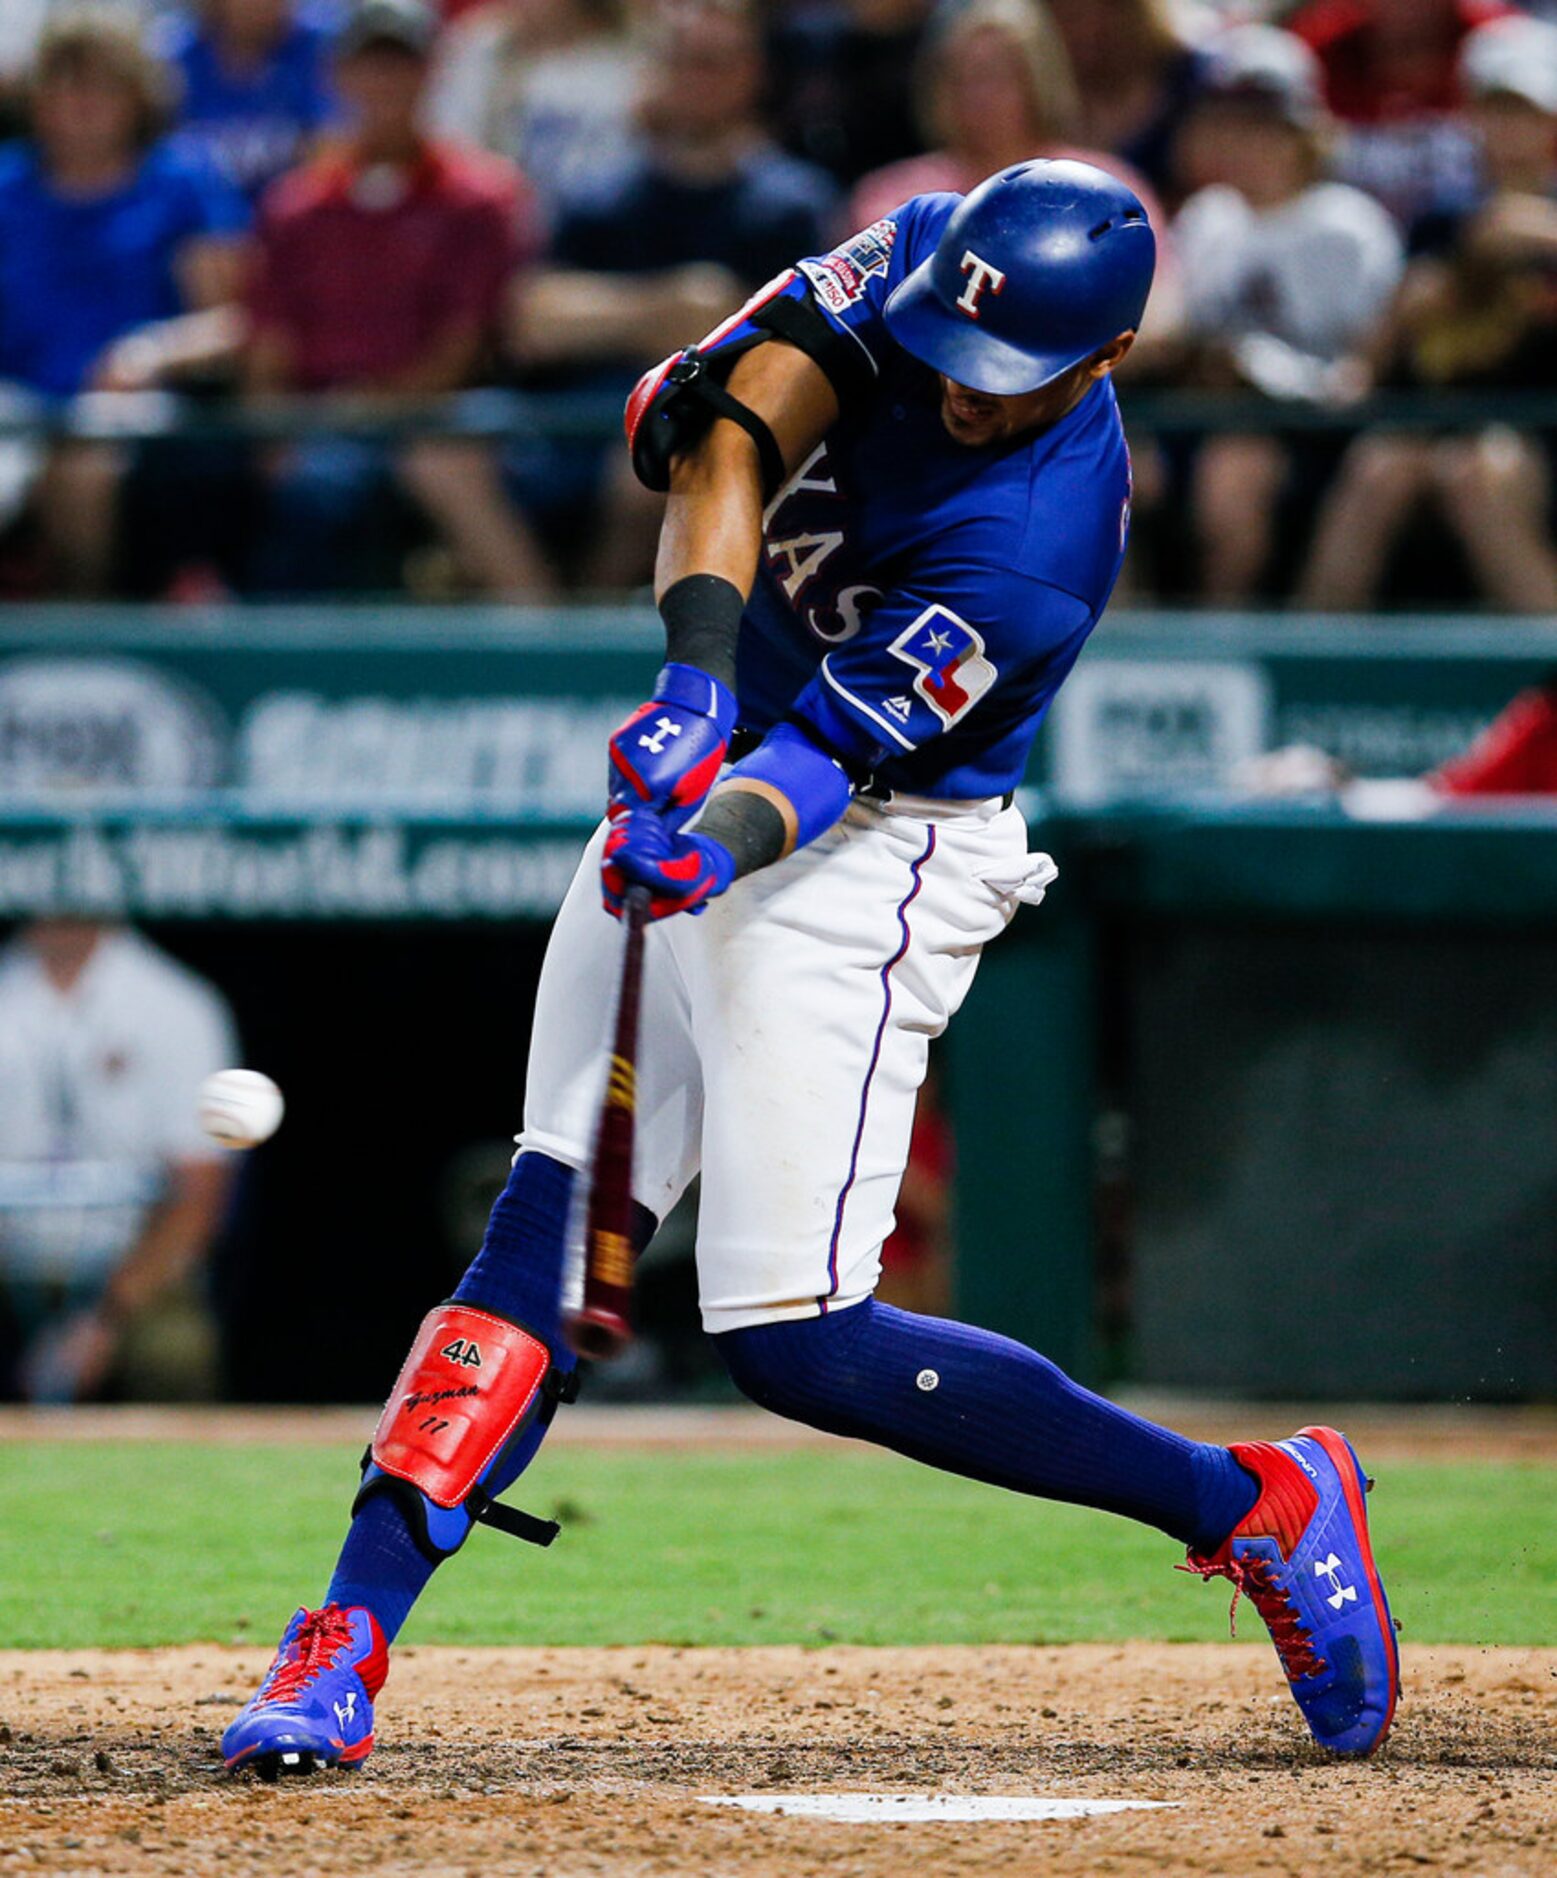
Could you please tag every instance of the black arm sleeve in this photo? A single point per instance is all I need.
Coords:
(702, 615)
(748, 825)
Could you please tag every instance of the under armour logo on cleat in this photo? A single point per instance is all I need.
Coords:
(1339, 1594)
(345, 1711)
(663, 728)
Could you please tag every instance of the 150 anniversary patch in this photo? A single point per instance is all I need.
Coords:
(839, 279)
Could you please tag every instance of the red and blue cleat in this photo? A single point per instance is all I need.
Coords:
(1303, 1559)
(315, 1706)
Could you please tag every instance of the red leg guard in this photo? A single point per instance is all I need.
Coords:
(470, 1384)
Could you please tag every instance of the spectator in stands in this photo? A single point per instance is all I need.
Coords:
(110, 1195)
(1285, 280)
(1137, 77)
(383, 267)
(707, 183)
(1389, 69)
(1479, 310)
(22, 23)
(667, 244)
(108, 236)
(548, 83)
(255, 85)
(843, 82)
(994, 88)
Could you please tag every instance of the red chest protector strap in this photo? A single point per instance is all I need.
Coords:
(471, 1383)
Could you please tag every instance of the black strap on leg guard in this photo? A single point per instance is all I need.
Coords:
(560, 1386)
(518, 1525)
(438, 1531)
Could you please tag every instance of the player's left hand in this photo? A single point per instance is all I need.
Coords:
(683, 872)
(667, 755)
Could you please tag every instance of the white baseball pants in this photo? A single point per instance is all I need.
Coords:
(784, 1038)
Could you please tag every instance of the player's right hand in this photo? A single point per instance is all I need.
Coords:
(682, 872)
(668, 754)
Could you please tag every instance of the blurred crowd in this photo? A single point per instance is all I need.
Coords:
(380, 205)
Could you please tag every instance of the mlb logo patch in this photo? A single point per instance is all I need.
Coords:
(948, 657)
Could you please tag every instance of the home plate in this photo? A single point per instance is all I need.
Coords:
(869, 1808)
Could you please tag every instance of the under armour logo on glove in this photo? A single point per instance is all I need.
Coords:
(663, 729)
(668, 754)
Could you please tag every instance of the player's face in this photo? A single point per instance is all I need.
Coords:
(977, 419)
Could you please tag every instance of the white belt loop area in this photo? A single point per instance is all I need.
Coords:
(933, 808)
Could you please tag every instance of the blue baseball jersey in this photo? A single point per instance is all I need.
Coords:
(918, 602)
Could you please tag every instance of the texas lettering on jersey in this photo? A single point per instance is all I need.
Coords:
(918, 603)
(797, 556)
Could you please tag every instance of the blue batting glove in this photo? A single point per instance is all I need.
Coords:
(668, 754)
(683, 872)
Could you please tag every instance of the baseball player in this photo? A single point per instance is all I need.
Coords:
(898, 501)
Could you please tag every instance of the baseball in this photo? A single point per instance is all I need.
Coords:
(240, 1107)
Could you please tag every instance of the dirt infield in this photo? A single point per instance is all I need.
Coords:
(599, 1761)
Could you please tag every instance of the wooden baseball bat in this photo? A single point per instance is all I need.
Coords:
(602, 1326)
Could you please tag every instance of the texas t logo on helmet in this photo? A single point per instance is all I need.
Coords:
(1035, 271)
(982, 278)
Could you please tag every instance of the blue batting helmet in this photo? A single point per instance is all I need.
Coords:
(1037, 269)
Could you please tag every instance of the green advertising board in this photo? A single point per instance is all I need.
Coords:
(333, 763)
(306, 764)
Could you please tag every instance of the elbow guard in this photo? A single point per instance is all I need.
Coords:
(675, 404)
(816, 785)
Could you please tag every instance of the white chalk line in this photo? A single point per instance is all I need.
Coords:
(959, 1808)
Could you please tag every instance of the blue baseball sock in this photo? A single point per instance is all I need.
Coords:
(517, 1273)
(977, 1404)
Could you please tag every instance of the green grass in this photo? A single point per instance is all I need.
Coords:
(144, 1544)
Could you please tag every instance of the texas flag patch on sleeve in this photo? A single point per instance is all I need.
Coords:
(951, 670)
